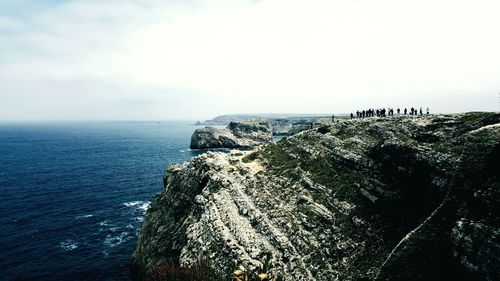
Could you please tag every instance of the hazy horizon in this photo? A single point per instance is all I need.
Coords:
(89, 60)
(206, 119)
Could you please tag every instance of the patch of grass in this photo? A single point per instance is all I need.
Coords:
(214, 186)
(250, 157)
(280, 157)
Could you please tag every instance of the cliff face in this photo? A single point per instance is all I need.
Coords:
(235, 135)
(379, 199)
(288, 127)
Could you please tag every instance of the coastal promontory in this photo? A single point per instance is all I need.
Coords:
(242, 134)
(394, 198)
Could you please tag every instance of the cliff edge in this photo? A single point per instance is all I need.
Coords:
(236, 135)
(372, 199)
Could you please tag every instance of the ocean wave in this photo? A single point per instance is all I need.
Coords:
(144, 207)
(133, 203)
(113, 241)
(139, 205)
(68, 245)
(84, 216)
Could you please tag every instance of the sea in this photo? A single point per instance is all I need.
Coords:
(73, 195)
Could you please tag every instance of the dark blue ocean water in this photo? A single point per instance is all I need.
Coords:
(73, 195)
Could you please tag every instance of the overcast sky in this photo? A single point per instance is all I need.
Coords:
(194, 59)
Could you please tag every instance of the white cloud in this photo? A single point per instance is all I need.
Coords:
(268, 56)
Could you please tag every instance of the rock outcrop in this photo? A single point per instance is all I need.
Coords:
(378, 199)
(235, 135)
(288, 127)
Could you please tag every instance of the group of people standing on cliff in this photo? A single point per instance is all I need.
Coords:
(383, 112)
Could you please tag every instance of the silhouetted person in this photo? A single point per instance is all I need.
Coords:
(421, 111)
(398, 110)
(333, 118)
(352, 115)
(406, 110)
(427, 110)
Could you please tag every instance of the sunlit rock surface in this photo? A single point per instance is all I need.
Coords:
(235, 135)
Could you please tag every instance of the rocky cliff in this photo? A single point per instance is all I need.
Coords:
(236, 135)
(378, 199)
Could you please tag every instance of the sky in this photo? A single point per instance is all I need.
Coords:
(195, 59)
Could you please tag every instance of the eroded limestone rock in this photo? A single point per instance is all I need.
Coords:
(235, 135)
(378, 199)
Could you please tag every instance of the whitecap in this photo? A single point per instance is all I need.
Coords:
(139, 205)
(103, 223)
(84, 216)
(113, 241)
(68, 245)
(133, 203)
(144, 207)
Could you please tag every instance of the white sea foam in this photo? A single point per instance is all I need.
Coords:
(140, 205)
(113, 241)
(144, 207)
(84, 216)
(68, 245)
(103, 223)
(133, 203)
